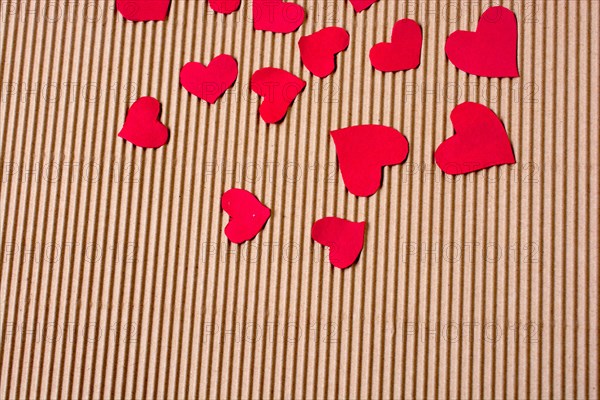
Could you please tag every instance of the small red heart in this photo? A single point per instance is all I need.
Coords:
(362, 152)
(142, 127)
(360, 5)
(247, 215)
(491, 51)
(344, 238)
(211, 81)
(224, 6)
(403, 53)
(319, 49)
(279, 88)
(480, 141)
(144, 10)
(277, 16)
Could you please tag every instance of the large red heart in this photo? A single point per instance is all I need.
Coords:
(224, 6)
(279, 88)
(319, 49)
(344, 238)
(277, 16)
(491, 51)
(143, 10)
(142, 127)
(360, 5)
(362, 152)
(211, 81)
(247, 215)
(403, 53)
(480, 141)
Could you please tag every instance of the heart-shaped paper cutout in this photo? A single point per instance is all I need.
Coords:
(362, 152)
(277, 16)
(211, 81)
(279, 89)
(224, 6)
(247, 215)
(480, 141)
(360, 5)
(142, 127)
(403, 53)
(144, 10)
(344, 238)
(491, 51)
(319, 49)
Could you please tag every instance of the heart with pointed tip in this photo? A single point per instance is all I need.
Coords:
(211, 81)
(363, 151)
(490, 51)
(344, 238)
(142, 127)
(360, 5)
(319, 49)
(403, 53)
(279, 89)
(480, 141)
(247, 215)
(143, 10)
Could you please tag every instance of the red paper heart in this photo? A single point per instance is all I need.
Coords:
(403, 53)
(319, 49)
(279, 88)
(144, 10)
(224, 6)
(491, 51)
(211, 81)
(142, 127)
(344, 238)
(362, 152)
(277, 16)
(480, 141)
(247, 215)
(360, 5)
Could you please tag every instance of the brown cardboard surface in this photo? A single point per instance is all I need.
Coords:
(117, 280)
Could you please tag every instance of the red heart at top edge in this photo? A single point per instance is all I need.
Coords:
(360, 5)
(490, 51)
(224, 6)
(247, 214)
(362, 152)
(142, 127)
(403, 53)
(480, 141)
(279, 89)
(211, 81)
(277, 16)
(143, 10)
(344, 238)
(319, 49)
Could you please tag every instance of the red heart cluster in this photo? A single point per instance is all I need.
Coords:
(480, 141)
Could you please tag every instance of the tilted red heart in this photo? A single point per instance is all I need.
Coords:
(142, 127)
(362, 152)
(491, 51)
(319, 49)
(279, 89)
(344, 238)
(480, 141)
(144, 10)
(360, 5)
(277, 16)
(211, 81)
(224, 6)
(403, 53)
(247, 215)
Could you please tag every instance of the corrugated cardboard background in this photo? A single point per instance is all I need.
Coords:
(117, 280)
